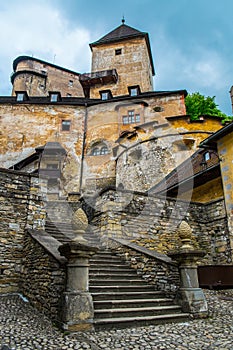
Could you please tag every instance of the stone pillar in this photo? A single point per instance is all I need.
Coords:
(78, 311)
(189, 296)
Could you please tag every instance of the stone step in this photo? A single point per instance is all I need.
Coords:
(122, 295)
(94, 282)
(137, 311)
(109, 267)
(112, 262)
(93, 270)
(117, 276)
(119, 288)
(123, 322)
(111, 304)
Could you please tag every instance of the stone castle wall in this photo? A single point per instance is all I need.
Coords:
(21, 208)
(43, 279)
(134, 58)
(152, 222)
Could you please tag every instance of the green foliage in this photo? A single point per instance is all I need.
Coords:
(197, 105)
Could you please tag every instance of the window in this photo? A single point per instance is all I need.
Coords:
(207, 156)
(95, 151)
(105, 94)
(99, 149)
(118, 52)
(103, 150)
(54, 96)
(68, 95)
(65, 125)
(134, 90)
(131, 118)
(20, 96)
(71, 83)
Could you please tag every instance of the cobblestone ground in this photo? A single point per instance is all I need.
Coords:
(24, 328)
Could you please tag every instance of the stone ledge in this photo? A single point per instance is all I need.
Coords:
(158, 256)
(49, 243)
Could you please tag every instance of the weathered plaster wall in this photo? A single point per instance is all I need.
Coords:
(27, 126)
(50, 79)
(225, 151)
(134, 59)
(105, 124)
(205, 193)
(155, 150)
(21, 207)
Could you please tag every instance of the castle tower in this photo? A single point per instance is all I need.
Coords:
(121, 62)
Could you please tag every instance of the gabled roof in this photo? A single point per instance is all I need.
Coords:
(125, 32)
(212, 139)
(120, 33)
(193, 172)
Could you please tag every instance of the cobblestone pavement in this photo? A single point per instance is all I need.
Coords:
(24, 328)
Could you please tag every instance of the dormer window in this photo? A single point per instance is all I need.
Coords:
(21, 96)
(134, 90)
(54, 96)
(105, 95)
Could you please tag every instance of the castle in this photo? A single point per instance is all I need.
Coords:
(110, 136)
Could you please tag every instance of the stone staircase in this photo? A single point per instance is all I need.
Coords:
(121, 297)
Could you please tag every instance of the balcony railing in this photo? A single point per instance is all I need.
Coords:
(101, 77)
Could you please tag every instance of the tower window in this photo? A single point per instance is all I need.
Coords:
(65, 125)
(71, 83)
(118, 52)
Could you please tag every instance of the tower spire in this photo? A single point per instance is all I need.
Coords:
(123, 19)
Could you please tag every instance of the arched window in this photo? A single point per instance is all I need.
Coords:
(99, 149)
(104, 150)
(95, 151)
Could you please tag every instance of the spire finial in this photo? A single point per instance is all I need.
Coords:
(123, 19)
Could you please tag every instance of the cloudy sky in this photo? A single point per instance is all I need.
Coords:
(191, 39)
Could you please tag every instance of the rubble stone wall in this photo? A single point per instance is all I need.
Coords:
(43, 279)
(152, 222)
(21, 208)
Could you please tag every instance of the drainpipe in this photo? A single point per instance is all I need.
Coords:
(83, 148)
